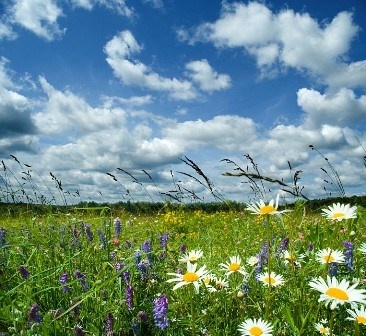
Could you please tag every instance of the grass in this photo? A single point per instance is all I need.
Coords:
(74, 274)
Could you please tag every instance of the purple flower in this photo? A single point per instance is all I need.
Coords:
(142, 316)
(109, 323)
(262, 259)
(2, 236)
(88, 232)
(183, 249)
(164, 240)
(63, 282)
(24, 272)
(146, 246)
(160, 312)
(33, 313)
(127, 276)
(102, 238)
(81, 277)
(348, 253)
(78, 331)
(117, 227)
(282, 247)
(129, 296)
(333, 269)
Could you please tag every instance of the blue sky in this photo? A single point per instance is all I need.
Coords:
(89, 86)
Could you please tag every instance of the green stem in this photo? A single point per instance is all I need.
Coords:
(193, 326)
(331, 323)
(268, 267)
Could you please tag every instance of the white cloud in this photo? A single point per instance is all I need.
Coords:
(66, 112)
(38, 16)
(207, 78)
(131, 101)
(342, 108)
(291, 39)
(225, 132)
(6, 32)
(133, 72)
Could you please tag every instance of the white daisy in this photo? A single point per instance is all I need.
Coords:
(362, 248)
(190, 277)
(359, 315)
(191, 256)
(233, 266)
(322, 328)
(338, 293)
(260, 208)
(271, 279)
(252, 261)
(254, 327)
(217, 284)
(329, 256)
(339, 211)
(291, 258)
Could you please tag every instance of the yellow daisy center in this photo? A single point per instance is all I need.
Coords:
(328, 258)
(270, 280)
(192, 258)
(267, 209)
(361, 319)
(234, 267)
(255, 331)
(291, 258)
(338, 215)
(323, 330)
(207, 281)
(190, 277)
(337, 293)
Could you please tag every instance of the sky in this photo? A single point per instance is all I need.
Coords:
(110, 95)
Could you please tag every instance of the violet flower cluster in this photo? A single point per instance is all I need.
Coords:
(160, 312)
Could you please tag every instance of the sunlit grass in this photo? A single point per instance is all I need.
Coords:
(75, 274)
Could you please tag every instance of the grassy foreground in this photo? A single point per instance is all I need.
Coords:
(88, 273)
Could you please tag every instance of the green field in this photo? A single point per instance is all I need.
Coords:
(81, 273)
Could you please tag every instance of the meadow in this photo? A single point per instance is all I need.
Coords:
(261, 269)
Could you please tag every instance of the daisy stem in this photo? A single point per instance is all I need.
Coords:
(306, 318)
(193, 327)
(357, 329)
(268, 267)
(331, 323)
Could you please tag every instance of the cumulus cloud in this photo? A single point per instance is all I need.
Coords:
(291, 39)
(17, 127)
(342, 108)
(65, 111)
(206, 77)
(6, 32)
(132, 72)
(225, 132)
(38, 16)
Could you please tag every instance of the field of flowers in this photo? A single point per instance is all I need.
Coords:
(260, 272)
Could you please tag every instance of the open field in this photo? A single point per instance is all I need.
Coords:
(86, 273)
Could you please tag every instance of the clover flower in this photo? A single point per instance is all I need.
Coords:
(33, 313)
(24, 272)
